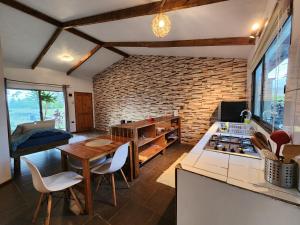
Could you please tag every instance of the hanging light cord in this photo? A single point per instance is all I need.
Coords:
(163, 2)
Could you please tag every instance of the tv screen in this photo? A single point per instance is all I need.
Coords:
(230, 111)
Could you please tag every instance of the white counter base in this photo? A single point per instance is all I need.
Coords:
(205, 201)
(215, 188)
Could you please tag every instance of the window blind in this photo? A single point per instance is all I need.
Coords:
(280, 14)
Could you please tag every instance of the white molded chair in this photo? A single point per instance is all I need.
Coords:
(54, 183)
(111, 166)
(76, 164)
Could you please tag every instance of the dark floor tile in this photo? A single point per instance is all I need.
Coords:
(146, 202)
(161, 200)
(168, 217)
(103, 202)
(132, 214)
(158, 220)
(10, 198)
(65, 220)
(97, 220)
(20, 216)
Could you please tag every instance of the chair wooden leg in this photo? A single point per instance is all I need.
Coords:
(76, 199)
(47, 220)
(113, 186)
(37, 210)
(124, 177)
(99, 182)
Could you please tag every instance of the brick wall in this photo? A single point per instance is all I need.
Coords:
(139, 86)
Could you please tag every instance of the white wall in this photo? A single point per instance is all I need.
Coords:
(5, 173)
(292, 97)
(43, 75)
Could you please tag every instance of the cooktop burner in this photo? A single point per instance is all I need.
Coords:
(232, 145)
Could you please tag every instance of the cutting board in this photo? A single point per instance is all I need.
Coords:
(290, 152)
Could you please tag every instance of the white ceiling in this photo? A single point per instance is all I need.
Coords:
(23, 36)
(99, 62)
(226, 19)
(66, 44)
(65, 10)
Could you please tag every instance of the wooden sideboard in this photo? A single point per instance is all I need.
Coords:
(150, 137)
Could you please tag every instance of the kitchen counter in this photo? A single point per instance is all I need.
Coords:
(242, 172)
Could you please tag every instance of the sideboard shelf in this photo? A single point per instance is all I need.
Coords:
(150, 137)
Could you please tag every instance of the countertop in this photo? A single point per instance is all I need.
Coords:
(242, 172)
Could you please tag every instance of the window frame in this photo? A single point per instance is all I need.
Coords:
(265, 125)
(39, 102)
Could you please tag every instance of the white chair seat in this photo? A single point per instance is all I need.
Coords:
(62, 181)
(112, 165)
(104, 168)
(76, 164)
(47, 185)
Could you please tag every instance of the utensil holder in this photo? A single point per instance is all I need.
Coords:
(281, 174)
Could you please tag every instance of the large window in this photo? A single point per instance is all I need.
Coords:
(269, 80)
(35, 105)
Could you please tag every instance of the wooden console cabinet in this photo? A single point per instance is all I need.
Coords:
(150, 137)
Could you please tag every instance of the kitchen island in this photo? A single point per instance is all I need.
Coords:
(214, 188)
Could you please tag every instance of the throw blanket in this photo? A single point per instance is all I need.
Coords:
(16, 141)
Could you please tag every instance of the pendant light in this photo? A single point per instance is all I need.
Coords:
(161, 24)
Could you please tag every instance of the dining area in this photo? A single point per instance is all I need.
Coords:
(94, 160)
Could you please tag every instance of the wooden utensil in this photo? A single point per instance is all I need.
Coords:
(262, 140)
(280, 137)
(256, 142)
(268, 154)
(270, 146)
(290, 152)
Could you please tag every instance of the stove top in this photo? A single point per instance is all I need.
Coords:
(232, 145)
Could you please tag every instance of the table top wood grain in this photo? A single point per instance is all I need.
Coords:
(81, 151)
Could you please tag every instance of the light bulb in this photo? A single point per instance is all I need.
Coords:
(67, 58)
(161, 23)
(255, 27)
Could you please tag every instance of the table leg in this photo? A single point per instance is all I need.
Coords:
(64, 161)
(87, 187)
(130, 161)
(64, 166)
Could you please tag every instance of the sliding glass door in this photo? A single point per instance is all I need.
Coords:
(53, 107)
(35, 105)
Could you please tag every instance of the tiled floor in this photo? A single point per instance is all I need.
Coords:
(145, 203)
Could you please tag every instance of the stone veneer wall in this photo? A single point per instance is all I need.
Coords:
(139, 86)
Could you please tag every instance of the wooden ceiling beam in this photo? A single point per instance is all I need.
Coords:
(39, 15)
(84, 36)
(184, 43)
(141, 10)
(47, 47)
(32, 12)
(84, 59)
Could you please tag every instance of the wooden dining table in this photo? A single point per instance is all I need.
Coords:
(85, 153)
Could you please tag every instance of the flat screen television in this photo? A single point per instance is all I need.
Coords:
(230, 111)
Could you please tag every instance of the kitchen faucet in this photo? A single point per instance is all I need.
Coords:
(248, 116)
